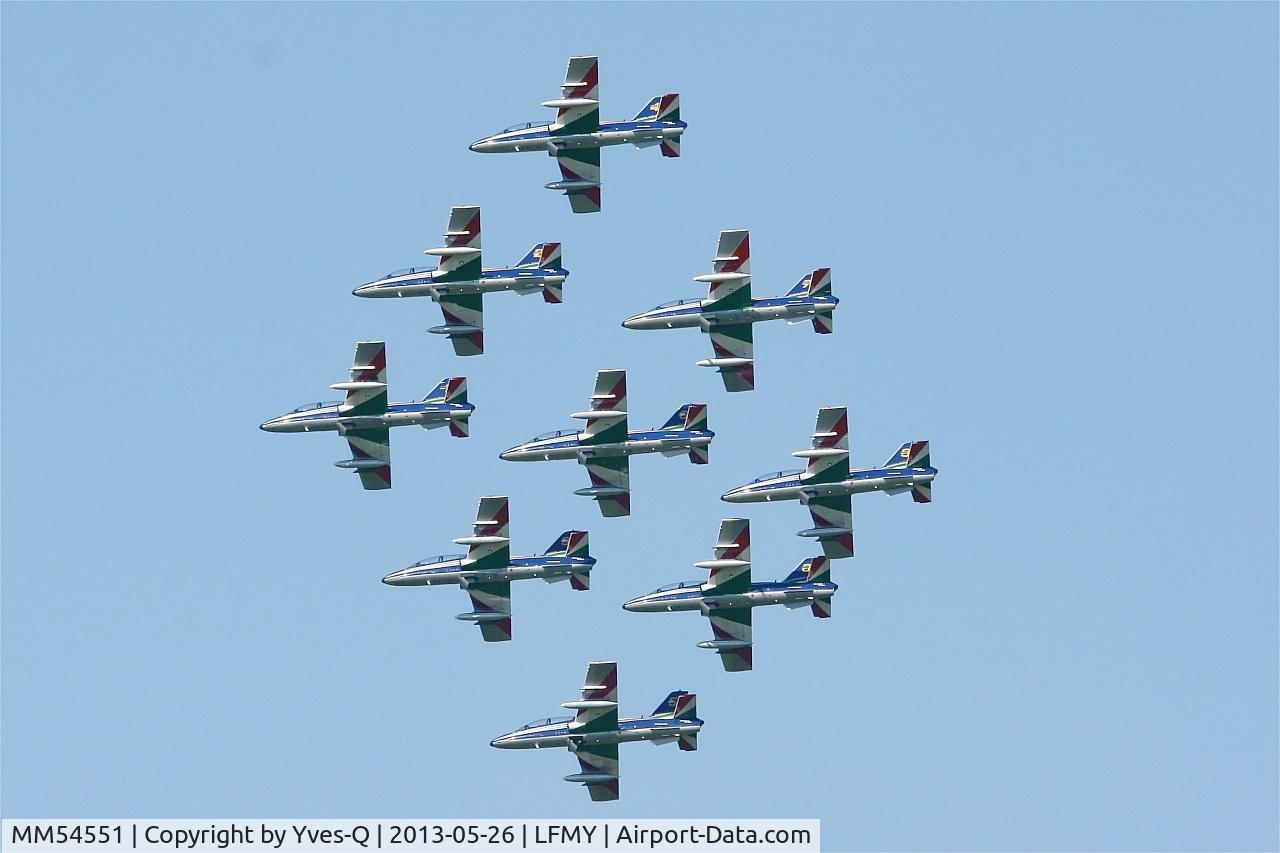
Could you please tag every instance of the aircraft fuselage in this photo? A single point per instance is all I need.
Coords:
(690, 314)
(538, 137)
(568, 445)
(695, 597)
(450, 570)
(788, 486)
(327, 416)
(421, 283)
(556, 733)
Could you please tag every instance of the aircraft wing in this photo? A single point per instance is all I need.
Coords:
(370, 456)
(730, 279)
(598, 761)
(733, 355)
(610, 484)
(730, 570)
(596, 712)
(580, 173)
(463, 321)
(578, 107)
(732, 629)
(491, 603)
(488, 547)
(460, 258)
(832, 524)
(606, 413)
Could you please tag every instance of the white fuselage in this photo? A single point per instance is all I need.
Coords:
(420, 283)
(570, 446)
(539, 137)
(690, 314)
(556, 733)
(760, 595)
(328, 417)
(788, 486)
(449, 570)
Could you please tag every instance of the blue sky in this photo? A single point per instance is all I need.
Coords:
(1053, 228)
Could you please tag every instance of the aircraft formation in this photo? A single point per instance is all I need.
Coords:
(458, 284)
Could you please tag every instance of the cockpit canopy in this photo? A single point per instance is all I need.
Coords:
(678, 585)
(321, 405)
(674, 302)
(560, 433)
(524, 126)
(546, 721)
(439, 558)
(775, 474)
(408, 271)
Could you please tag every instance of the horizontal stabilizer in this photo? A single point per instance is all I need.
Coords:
(699, 455)
(822, 608)
(689, 741)
(922, 493)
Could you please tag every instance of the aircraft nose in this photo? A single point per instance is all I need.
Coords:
(270, 426)
(501, 741)
(630, 322)
(734, 496)
(630, 606)
(505, 455)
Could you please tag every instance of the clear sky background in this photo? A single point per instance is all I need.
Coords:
(1053, 228)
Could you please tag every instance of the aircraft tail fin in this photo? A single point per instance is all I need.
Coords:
(542, 256)
(922, 493)
(690, 416)
(667, 707)
(662, 108)
(546, 256)
(452, 389)
(813, 569)
(571, 543)
(913, 454)
(821, 608)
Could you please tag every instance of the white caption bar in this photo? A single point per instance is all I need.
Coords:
(200, 836)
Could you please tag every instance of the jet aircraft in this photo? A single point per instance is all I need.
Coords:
(729, 594)
(487, 569)
(460, 282)
(729, 310)
(606, 442)
(365, 417)
(826, 484)
(577, 134)
(594, 732)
